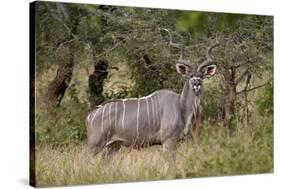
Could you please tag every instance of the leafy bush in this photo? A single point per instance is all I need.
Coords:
(265, 100)
(65, 125)
(212, 99)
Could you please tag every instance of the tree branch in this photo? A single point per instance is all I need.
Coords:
(63, 43)
(251, 89)
(248, 61)
(209, 56)
(247, 81)
(242, 76)
(60, 15)
(178, 46)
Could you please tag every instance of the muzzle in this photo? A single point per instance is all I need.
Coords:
(196, 85)
(197, 89)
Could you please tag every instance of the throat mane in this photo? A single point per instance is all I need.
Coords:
(191, 114)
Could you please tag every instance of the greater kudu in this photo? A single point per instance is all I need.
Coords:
(162, 117)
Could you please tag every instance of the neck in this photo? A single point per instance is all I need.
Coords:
(189, 102)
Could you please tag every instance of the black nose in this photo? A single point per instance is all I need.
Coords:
(197, 83)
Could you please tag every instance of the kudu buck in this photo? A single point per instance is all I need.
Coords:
(162, 117)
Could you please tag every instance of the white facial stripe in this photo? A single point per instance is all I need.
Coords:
(196, 78)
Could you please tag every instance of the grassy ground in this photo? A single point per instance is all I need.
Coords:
(248, 151)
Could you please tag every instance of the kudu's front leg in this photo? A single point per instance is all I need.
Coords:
(169, 149)
(195, 127)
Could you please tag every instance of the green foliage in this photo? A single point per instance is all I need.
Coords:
(229, 21)
(265, 100)
(214, 93)
(62, 127)
(191, 20)
(131, 40)
(203, 22)
(89, 28)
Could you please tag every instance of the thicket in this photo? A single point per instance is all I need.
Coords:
(72, 39)
(88, 54)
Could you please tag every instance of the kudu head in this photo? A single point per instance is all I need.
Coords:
(195, 74)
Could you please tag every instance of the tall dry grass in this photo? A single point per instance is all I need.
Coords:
(248, 151)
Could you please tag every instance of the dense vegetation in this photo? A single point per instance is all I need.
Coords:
(87, 54)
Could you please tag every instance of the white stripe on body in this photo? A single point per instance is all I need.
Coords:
(94, 116)
(147, 110)
(138, 112)
(155, 111)
(116, 114)
(152, 111)
(148, 96)
(161, 133)
(158, 112)
(124, 109)
(102, 117)
(110, 113)
(157, 117)
(88, 117)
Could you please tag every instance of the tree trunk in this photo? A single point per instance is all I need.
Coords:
(249, 76)
(229, 105)
(95, 83)
(230, 109)
(56, 89)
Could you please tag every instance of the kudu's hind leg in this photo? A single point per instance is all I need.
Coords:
(95, 146)
(96, 149)
(110, 150)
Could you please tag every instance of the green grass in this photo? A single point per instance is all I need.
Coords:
(248, 151)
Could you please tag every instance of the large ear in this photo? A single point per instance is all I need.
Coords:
(209, 71)
(183, 69)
